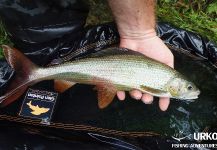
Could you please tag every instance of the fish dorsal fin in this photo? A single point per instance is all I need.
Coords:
(106, 94)
(114, 51)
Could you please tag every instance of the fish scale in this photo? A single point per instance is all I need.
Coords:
(124, 70)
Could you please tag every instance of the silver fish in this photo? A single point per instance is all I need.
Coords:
(111, 70)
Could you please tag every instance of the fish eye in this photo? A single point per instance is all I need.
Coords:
(189, 87)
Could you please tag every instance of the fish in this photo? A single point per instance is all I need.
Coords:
(36, 110)
(110, 70)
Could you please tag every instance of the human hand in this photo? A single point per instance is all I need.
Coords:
(151, 46)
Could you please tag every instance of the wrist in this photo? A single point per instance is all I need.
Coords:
(138, 35)
(139, 41)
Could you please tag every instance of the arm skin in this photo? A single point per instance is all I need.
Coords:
(136, 25)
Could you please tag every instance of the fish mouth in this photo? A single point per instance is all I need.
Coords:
(191, 96)
(189, 99)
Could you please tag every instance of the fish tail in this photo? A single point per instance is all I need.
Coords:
(24, 75)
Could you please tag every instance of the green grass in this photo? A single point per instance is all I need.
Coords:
(3, 38)
(99, 12)
(199, 16)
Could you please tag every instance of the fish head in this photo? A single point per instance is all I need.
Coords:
(181, 88)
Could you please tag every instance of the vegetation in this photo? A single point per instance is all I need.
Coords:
(3, 38)
(199, 16)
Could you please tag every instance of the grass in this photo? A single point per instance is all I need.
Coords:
(99, 12)
(3, 38)
(199, 16)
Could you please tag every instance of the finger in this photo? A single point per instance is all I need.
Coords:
(136, 94)
(147, 98)
(121, 95)
(171, 64)
(164, 103)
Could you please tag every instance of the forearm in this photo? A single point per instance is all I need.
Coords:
(134, 18)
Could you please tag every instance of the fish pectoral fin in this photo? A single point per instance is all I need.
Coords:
(106, 94)
(154, 92)
(62, 85)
